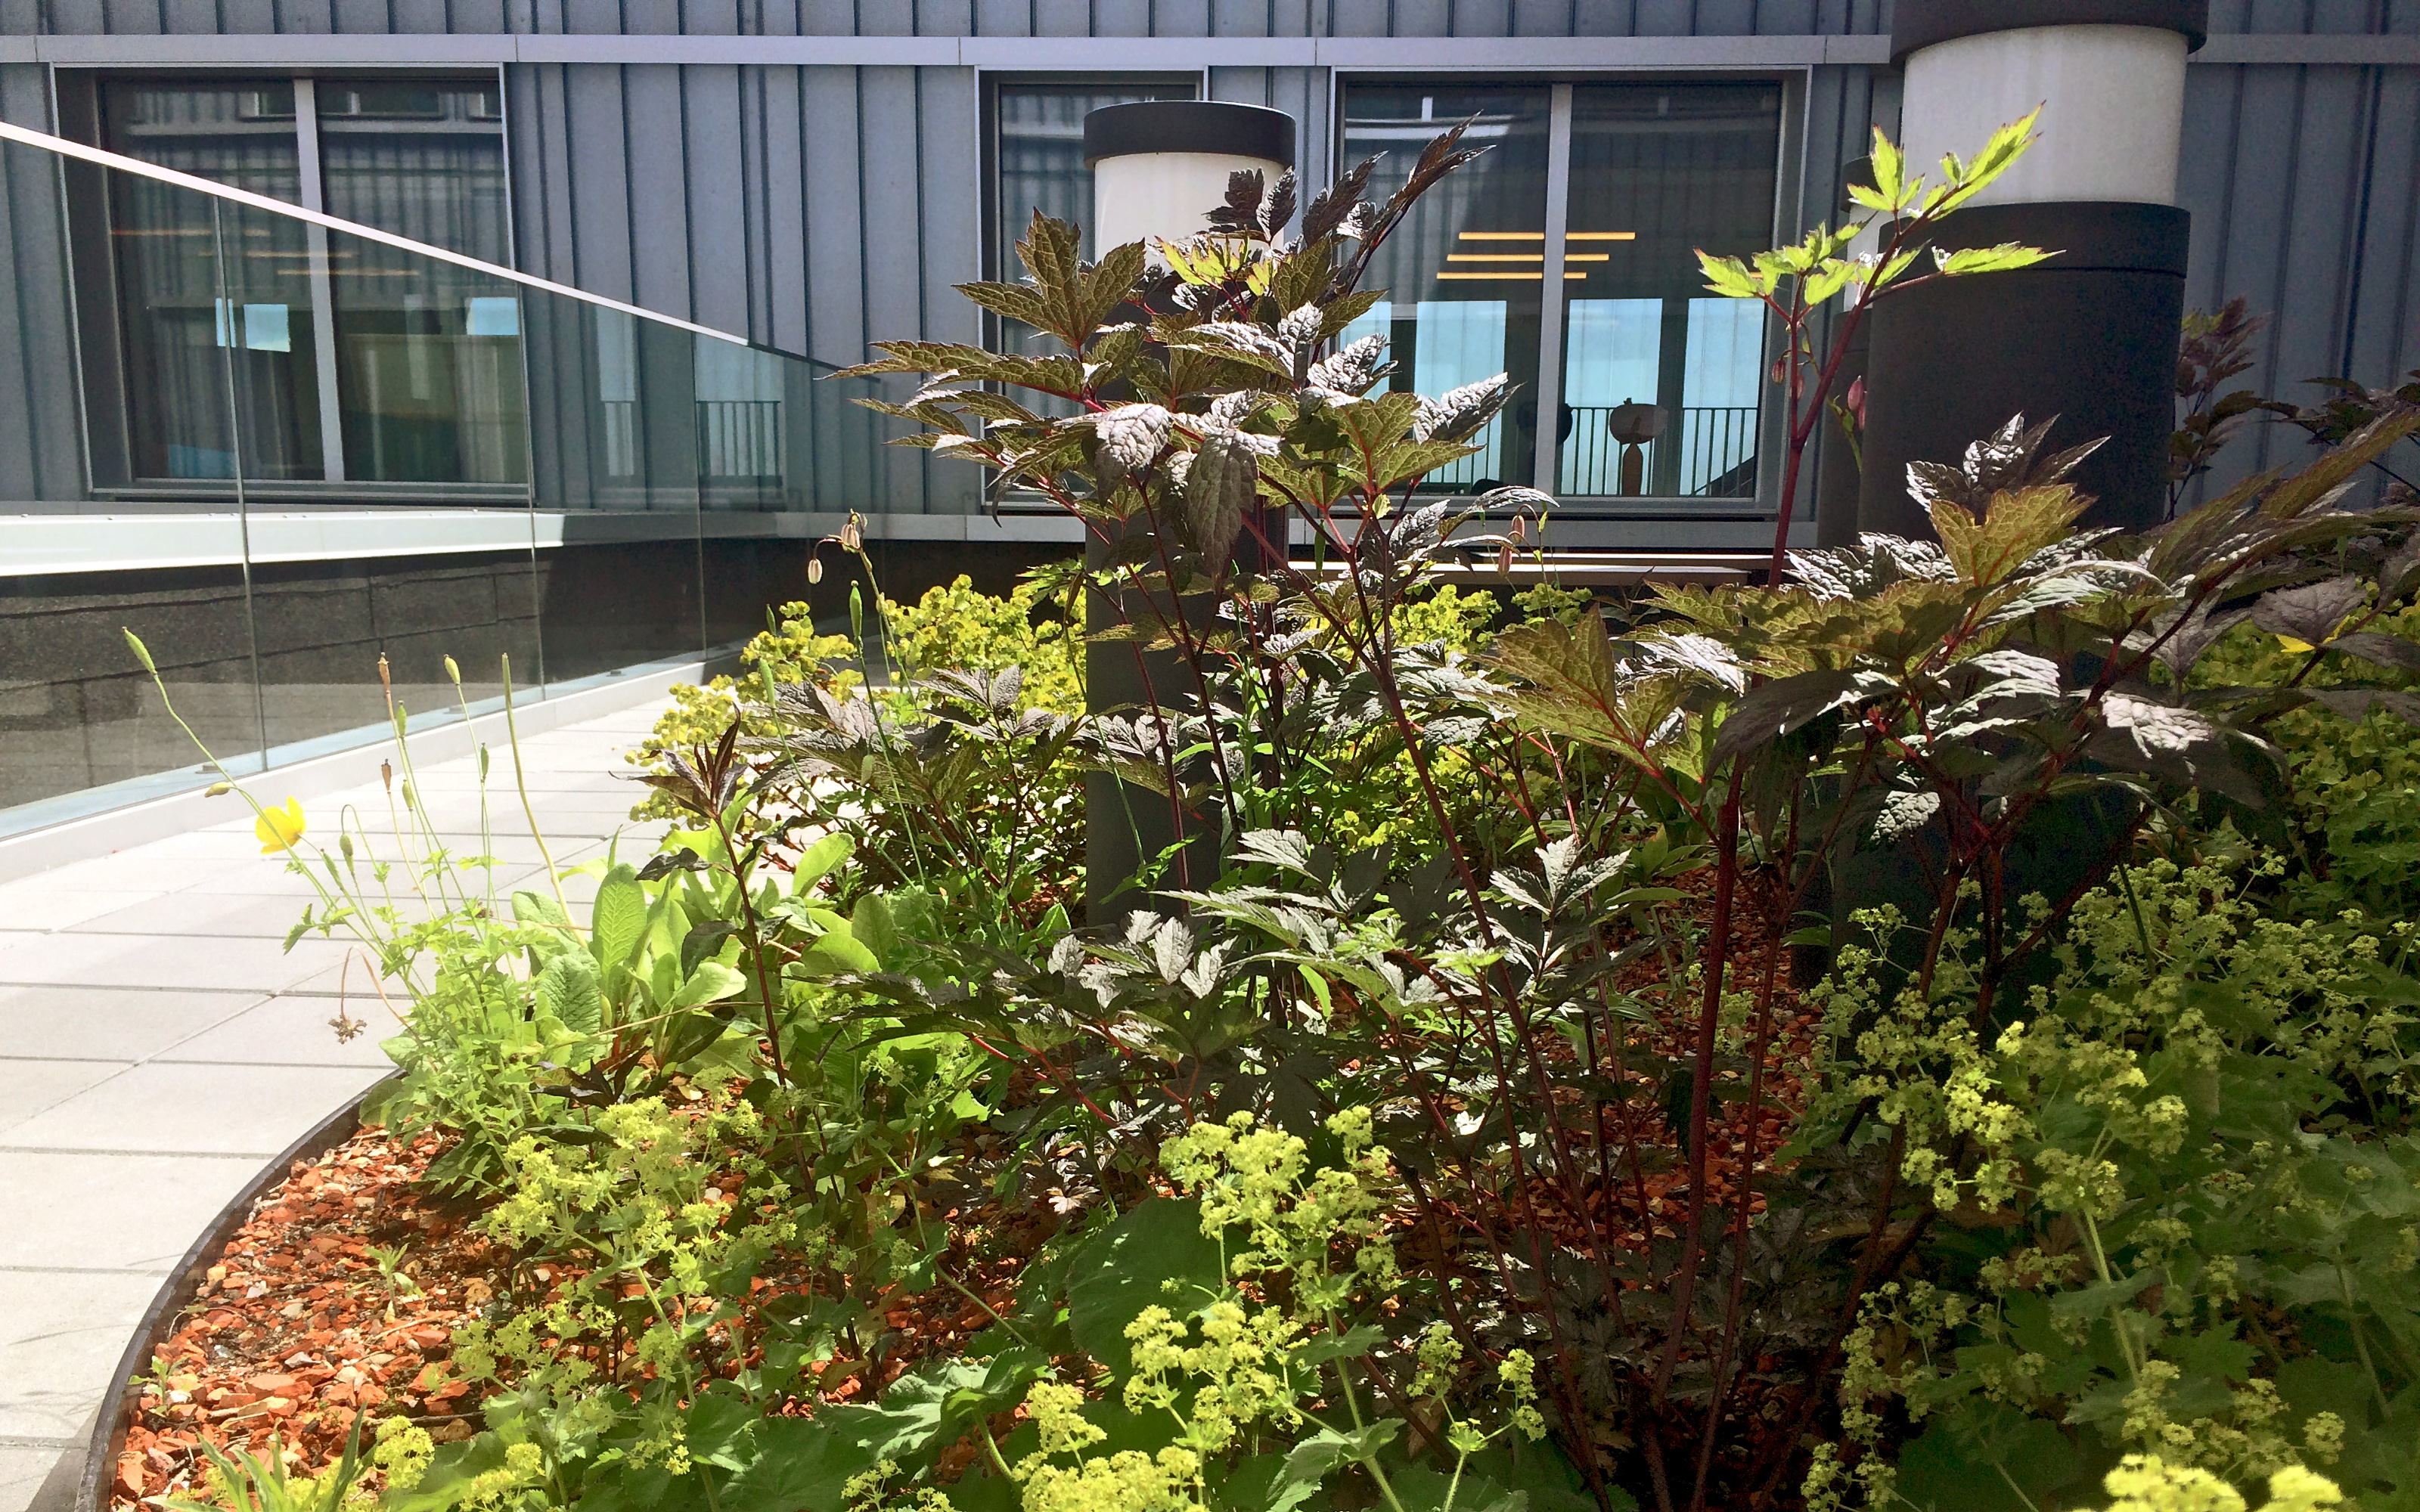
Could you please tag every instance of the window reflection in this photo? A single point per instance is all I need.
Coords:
(1038, 153)
(1465, 271)
(1658, 171)
(352, 360)
(429, 355)
(180, 315)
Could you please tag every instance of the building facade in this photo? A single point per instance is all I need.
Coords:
(289, 455)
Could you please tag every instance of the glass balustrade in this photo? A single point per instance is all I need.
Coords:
(316, 443)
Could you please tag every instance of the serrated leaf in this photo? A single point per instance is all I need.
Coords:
(1774, 709)
(1223, 483)
(2312, 612)
(2005, 257)
(1154, 1256)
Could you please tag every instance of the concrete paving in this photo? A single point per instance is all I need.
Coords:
(158, 1045)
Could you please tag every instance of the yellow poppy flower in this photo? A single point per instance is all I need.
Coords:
(279, 829)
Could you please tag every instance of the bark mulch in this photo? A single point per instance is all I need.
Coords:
(338, 1296)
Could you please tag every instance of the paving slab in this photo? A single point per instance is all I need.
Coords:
(22, 1469)
(207, 1109)
(109, 1022)
(162, 1044)
(25, 905)
(293, 1031)
(220, 961)
(62, 1335)
(36, 1087)
(180, 1195)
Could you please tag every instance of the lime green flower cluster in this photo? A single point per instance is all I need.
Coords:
(2148, 1134)
(2146, 1483)
(645, 1207)
(1264, 1367)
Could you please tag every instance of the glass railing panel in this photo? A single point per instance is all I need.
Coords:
(330, 448)
(427, 392)
(83, 725)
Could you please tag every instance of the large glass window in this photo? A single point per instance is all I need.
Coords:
(1465, 271)
(1658, 384)
(178, 310)
(358, 363)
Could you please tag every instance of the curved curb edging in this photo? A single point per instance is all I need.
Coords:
(111, 1419)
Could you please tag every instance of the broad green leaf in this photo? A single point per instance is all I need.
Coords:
(1155, 1256)
(2013, 527)
(1327, 1450)
(801, 1462)
(1984, 1457)
(618, 920)
(818, 860)
(835, 954)
(711, 983)
(871, 925)
(537, 908)
(569, 989)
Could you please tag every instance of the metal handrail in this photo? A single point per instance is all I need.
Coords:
(65, 147)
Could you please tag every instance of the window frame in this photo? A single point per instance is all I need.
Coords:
(95, 310)
(1772, 424)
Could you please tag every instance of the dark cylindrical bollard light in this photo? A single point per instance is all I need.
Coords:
(2090, 335)
(1158, 168)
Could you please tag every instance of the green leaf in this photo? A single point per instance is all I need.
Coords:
(618, 918)
(818, 860)
(1890, 173)
(2002, 259)
(1324, 1452)
(1155, 1256)
(836, 954)
(711, 983)
(1260, 1483)
(1987, 1458)
(870, 924)
(1776, 708)
(1351, 1344)
(800, 1462)
(1728, 277)
(570, 990)
(537, 908)
(2006, 146)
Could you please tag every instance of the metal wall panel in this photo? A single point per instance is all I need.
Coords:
(1096, 18)
(816, 209)
(2303, 195)
(42, 434)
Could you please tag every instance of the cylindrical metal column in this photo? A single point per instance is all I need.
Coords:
(2090, 335)
(1158, 168)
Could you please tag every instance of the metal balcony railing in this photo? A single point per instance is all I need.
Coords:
(1710, 455)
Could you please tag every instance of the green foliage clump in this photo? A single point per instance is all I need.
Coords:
(1444, 1114)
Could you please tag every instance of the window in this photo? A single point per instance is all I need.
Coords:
(1658, 383)
(352, 362)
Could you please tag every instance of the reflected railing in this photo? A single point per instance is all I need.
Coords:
(320, 451)
(243, 323)
(1712, 455)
